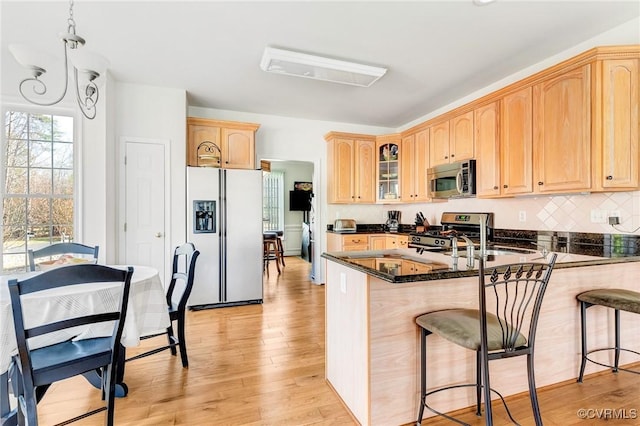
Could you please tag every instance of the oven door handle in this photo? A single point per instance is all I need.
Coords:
(459, 181)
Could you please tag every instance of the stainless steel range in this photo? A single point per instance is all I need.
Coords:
(458, 225)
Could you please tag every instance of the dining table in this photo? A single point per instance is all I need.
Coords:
(147, 313)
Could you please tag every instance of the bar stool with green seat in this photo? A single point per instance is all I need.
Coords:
(503, 326)
(618, 300)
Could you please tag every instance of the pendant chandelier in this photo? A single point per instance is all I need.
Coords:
(87, 67)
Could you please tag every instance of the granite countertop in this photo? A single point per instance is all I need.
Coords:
(398, 265)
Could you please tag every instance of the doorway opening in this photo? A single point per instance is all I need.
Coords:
(289, 205)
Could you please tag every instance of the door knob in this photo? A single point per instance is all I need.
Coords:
(158, 234)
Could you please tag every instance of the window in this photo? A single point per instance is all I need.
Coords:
(273, 201)
(38, 191)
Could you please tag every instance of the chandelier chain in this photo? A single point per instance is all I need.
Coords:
(71, 21)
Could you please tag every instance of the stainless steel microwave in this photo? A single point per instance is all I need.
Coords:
(455, 180)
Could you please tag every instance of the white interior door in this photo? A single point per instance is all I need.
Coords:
(144, 209)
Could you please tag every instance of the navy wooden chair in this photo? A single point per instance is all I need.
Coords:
(42, 366)
(184, 265)
(61, 248)
(503, 328)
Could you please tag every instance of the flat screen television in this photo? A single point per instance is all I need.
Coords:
(299, 201)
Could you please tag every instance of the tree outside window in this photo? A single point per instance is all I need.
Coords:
(38, 190)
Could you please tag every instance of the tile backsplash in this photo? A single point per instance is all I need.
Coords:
(570, 213)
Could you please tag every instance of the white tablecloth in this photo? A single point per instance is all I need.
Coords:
(146, 311)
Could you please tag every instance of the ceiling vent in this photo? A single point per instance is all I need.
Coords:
(319, 68)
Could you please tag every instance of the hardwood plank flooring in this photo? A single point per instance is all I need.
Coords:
(264, 365)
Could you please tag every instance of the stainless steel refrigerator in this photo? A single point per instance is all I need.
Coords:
(224, 222)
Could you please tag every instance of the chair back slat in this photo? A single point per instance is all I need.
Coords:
(516, 293)
(61, 248)
(184, 261)
(71, 275)
(70, 323)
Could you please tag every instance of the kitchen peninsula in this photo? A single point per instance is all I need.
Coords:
(372, 342)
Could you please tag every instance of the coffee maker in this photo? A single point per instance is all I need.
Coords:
(393, 220)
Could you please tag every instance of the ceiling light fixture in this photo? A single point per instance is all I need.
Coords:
(89, 65)
(319, 68)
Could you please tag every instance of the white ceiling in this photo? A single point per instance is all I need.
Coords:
(435, 51)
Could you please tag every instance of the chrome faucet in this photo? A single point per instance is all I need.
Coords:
(483, 235)
(454, 247)
(470, 250)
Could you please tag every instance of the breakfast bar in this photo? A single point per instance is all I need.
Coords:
(372, 342)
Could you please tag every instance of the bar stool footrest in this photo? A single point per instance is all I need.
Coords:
(613, 367)
(453, 419)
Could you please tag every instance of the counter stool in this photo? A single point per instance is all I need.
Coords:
(279, 235)
(503, 327)
(270, 250)
(618, 300)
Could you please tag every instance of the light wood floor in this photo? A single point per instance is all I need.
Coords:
(264, 365)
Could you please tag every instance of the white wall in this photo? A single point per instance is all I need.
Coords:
(153, 113)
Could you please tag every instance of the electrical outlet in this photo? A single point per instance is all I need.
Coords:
(614, 220)
(598, 216)
(522, 216)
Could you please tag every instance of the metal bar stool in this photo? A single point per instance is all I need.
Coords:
(279, 235)
(618, 300)
(503, 326)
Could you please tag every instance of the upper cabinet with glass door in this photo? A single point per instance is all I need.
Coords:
(388, 154)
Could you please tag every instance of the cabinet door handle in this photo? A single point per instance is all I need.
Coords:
(495, 187)
(609, 177)
(505, 186)
(446, 156)
(453, 155)
(540, 183)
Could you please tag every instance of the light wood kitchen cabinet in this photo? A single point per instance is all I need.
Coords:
(562, 132)
(413, 167)
(452, 141)
(347, 242)
(487, 127)
(573, 127)
(386, 241)
(351, 168)
(516, 142)
(378, 242)
(224, 144)
(617, 156)
(402, 241)
(410, 267)
(388, 168)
